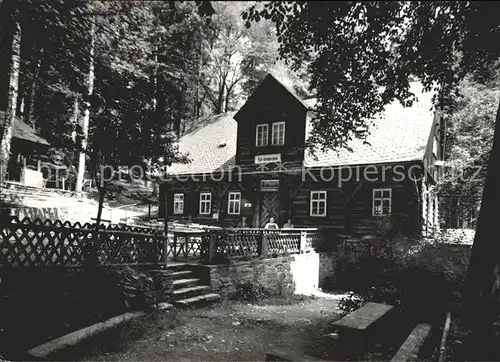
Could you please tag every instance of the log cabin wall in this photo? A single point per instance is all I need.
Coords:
(271, 104)
(349, 208)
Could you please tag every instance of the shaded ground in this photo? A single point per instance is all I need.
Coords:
(228, 331)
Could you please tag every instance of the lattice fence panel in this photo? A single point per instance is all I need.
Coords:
(242, 244)
(45, 242)
(284, 242)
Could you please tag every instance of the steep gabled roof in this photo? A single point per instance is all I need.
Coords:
(210, 144)
(401, 135)
(268, 87)
(24, 132)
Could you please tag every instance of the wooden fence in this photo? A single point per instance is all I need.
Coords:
(44, 242)
(55, 243)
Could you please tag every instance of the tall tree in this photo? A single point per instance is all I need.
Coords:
(86, 112)
(233, 58)
(10, 115)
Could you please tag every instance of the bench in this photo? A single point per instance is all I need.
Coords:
(279, 355)
(352, 327)
(412, 345)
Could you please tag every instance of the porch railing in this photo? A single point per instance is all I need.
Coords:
(227, 244)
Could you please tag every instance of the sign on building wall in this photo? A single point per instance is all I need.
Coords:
(275, 157)
(269, 185)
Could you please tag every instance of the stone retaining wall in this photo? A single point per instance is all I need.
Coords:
(297, 274)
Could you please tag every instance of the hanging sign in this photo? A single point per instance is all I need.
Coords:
(263, 159)
(269, 185)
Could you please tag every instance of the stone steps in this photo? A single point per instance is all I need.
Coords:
(181, 273)
(189, 291)
(186, 283)
(186, 293)
(197, 301)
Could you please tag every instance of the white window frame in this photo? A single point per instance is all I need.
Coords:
(315, 203)
(272, 134)
(178, 202)
(207, 202)
(265, 140)
(382, 199)
(234, 202)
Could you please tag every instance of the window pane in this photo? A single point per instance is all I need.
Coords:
(386, 210)
(387, 193)
(322, 196)
(314, 196)
(378, 194)
(261, 135)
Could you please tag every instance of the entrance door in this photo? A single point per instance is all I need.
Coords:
(269, 207)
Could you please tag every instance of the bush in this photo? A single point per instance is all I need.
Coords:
(127, 288)
(251, 292)
(418, 276)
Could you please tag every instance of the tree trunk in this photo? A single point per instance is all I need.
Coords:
(30, 101)
(482, 282)
(74, 120)
(86, 113)
(102, 193)
(10, 115)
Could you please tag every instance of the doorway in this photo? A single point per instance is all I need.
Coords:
(269, 207)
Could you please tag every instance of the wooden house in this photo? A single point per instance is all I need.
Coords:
(253, 164)
(27, 147)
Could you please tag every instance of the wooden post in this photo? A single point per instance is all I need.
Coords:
(166, 219)
(264, 244)
(302, 242)
(212, 247)
(165, 248)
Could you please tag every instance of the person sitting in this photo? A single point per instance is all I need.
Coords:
(243, 222)
(288, 224)
(271, 224)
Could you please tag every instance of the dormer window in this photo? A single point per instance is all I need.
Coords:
(278, 134)
(261, 135)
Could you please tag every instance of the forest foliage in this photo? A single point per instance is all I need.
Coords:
(142, 71)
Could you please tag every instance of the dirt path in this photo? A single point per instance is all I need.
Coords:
(230, 331)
